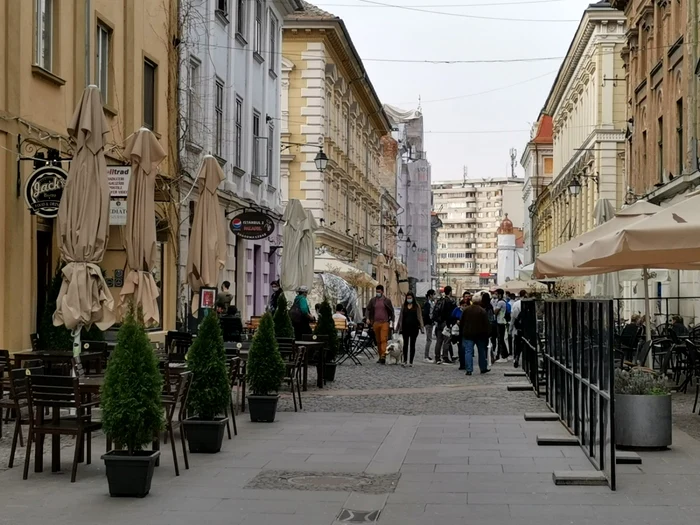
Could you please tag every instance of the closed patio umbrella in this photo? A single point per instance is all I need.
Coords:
(604, 284)
(299, 247)
(206, 255)
(145, 153)
(83, 225)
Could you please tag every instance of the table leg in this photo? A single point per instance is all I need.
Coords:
(39, 443)
(320, 367)
(243, 394)
(305, 374)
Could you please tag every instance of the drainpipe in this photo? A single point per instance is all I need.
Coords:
(693, 87)
(87, 42)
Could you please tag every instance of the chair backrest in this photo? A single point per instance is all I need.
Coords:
(341, 324)
(5, 361)
(641, 358)
(18, 382)
(53, 391)
(234, 369)
(178, 344)
(183, 392)
(36, 343)
(285, 340)
(315, 338)
(95, 346)
(33, 363)
(299, 358)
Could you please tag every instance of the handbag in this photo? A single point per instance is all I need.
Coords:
(447, 331)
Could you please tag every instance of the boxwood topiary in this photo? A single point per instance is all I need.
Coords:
(326, 327)
(283, 323)
(265, 367)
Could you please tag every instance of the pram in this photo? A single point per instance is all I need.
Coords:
(361, 341)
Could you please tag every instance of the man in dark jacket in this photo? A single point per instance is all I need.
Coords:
(442, 317)
(380, 313)
(475, 329)
(428, 307)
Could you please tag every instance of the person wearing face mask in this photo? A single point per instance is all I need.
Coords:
(276, 292)
(380, 313)
(410, 323)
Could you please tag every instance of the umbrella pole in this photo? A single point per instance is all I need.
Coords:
(76, 341)
(646, 304)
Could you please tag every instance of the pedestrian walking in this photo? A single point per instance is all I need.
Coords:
(474, 330)
(428, 307)
(442, 315)
(516, 328)
(380, 313)
(274, 296)
(300, 313)
(410, 323)
(500, 310)
(457, 331)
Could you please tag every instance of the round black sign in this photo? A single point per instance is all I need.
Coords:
(252, 225)
(43, 191)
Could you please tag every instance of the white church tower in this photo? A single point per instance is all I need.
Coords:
(507, 254)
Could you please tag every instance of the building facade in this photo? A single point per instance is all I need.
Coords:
(587, 105)
(660, 61)
(471, 211)
(413, 194)
(51, 50)
(230, 107)
(328, 102)
(538, 163)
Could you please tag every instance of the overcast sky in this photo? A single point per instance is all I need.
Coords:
(393, 33)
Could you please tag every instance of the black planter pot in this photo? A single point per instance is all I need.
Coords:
(204, 436)
(130, 476)
(329, 371)
(262, 408)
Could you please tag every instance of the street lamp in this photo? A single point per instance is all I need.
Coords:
(321, 161)
(414, 247)
(575, 186)
(400, 233)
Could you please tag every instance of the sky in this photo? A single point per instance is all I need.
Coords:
(498, 102)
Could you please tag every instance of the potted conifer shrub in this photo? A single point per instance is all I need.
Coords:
(210, 392)
(265, 372)
(643, 409)
(325, 328)
(132, 413)
(283, 323)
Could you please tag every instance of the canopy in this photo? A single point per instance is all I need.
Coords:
(83, 224)
(668, 239)
(529, 286)
(327, 263)
(206, 255)
(145, 153)
(558, 262)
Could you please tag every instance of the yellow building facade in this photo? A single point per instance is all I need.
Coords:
(49, 51)
(328, 101)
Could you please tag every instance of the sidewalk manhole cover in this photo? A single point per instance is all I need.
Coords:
(358, 516)
(325, 481)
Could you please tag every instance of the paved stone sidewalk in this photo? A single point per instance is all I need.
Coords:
(432, 470)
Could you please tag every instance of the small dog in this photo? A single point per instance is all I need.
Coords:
(394, 349)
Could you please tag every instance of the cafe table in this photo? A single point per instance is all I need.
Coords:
(56, 357)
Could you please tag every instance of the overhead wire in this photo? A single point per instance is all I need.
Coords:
(489, 4)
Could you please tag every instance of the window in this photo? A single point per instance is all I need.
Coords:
(102, 41)
(219, 119)
(680, 146)
(258, 32)
(44, 34)
(660, 155)
(328, 114)
(270, 152)
(644, 148)
(222, 7)
(149, 94)
(240, 21)
(193, 101)
(239, 130)
(256, 135)
(548, 165)
(273, 46)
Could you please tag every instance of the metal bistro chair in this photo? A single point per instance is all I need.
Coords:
(234, 371)
(177, 345)
(294, 375)
(58, 392)
(171, 403)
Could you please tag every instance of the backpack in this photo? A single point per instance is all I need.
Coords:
(427, 319)
(295, 313)
(437, 310)
(491, 315)
(508, 309)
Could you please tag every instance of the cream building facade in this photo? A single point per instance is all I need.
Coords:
(329, 102)
(587, 105)
(49, 51)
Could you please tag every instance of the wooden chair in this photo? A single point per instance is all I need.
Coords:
(177, 344)
(171, 404)
(293, 375)
(36, 343)
(234, 371)
(16, 402)
(255, 322)
(58, 392)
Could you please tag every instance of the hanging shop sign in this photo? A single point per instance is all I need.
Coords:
(117, 212)
(252, 225)
(43, 191)
(118, 180)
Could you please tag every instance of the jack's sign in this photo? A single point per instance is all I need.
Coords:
(43, 191)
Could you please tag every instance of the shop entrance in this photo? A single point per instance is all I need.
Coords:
(44, 274)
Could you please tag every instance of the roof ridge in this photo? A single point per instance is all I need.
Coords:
(311, 12)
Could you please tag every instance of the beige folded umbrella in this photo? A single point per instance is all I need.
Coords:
(293, 275)
(145, 153)
(206, 255)
(558, 262)
(83, 225)
(668, 239)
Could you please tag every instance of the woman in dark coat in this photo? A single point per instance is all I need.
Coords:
(410, 323)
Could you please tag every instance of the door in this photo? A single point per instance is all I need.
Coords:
(44, 275)
(257, 280)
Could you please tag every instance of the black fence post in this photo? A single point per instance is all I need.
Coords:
(530, 344)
